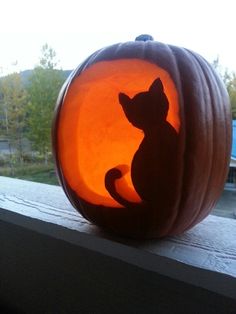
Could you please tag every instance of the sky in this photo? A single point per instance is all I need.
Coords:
(75, 29)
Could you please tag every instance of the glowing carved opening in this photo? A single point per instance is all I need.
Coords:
(93, 133)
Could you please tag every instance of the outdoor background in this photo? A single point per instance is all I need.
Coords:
(42, 42)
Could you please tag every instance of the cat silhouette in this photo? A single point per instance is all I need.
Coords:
(153, 163)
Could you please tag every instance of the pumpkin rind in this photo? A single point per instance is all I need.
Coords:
(204, 143)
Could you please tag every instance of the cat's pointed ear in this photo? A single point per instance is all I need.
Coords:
(124, 99)
(156, 86)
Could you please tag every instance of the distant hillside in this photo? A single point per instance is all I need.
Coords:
(25, 75)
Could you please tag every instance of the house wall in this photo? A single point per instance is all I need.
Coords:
(234, 140)
(231, 180)
(4, 146)
(6, 149)
(233, 163)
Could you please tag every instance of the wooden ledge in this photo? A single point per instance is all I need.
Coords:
(204, 257)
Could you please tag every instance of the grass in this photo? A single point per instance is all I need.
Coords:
(32, 172)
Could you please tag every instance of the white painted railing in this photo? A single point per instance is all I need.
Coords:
(54, 261)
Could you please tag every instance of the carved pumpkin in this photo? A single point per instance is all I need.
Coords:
(142, 137)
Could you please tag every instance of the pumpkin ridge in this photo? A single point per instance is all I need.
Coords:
(212, 79)
(177, 52)
(198, 217)
(182, 135)
(227, 141)
(185, 64)
(204, 81)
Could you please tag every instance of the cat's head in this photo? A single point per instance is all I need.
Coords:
(146, 109)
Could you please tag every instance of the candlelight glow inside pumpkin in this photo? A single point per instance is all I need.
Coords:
(94, 134)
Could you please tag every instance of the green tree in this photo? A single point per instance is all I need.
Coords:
(43, 89)
(229, 78)
(231, 87)
(13, 111)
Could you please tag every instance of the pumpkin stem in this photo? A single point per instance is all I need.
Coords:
(144, 37)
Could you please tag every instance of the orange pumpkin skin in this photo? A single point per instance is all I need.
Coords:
(200, 115)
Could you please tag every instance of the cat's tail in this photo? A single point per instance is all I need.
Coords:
(111, 176)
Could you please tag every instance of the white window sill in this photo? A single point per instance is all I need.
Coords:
(204, 258)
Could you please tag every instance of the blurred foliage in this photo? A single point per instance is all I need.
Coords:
(13, 98)
(229, 78)
(43, 88)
